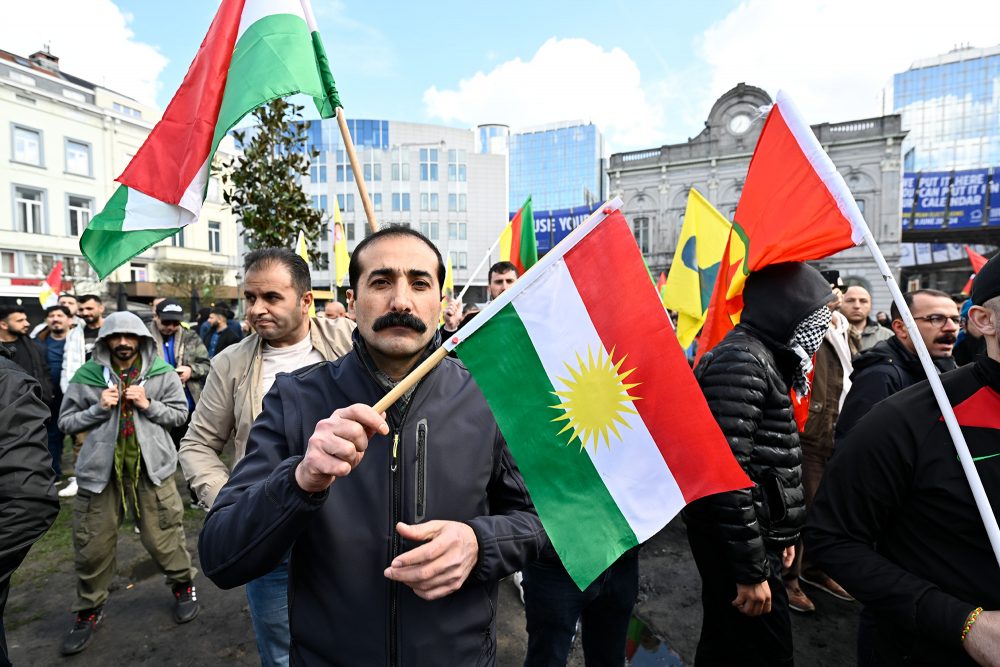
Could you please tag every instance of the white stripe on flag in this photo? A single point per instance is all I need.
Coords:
(635, 473)
(255, 10)
(144, 212)
(194, 194)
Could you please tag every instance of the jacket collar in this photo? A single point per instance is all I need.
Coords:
(988, 371)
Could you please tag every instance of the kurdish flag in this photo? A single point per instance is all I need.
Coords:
(695, 265)
(255, 51)
(517, 241)
(48, 295)
(795, 206)
(607, 423)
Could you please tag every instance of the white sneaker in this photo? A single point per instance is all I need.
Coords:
(70, 489)
(517, 577)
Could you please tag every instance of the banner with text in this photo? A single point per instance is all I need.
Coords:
(962, 199)
(551, 227)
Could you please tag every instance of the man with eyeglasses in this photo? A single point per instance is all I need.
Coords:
(892, 365)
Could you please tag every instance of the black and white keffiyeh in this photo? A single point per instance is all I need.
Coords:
(805, 341)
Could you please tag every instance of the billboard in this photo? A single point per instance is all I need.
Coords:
(551, 227)
(963, 199)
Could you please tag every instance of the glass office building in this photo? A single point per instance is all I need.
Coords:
(950, 105)
(561, 166)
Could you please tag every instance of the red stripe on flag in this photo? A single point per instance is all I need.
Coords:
(515, 242)
(632, 321)
(785, 208)
(178, 146)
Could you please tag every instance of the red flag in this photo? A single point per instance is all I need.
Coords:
(661, 288)
(978, 262)
(795, 206)
(48, 295)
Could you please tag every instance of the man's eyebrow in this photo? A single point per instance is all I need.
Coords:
(386, 272)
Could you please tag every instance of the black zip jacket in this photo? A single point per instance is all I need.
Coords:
(444, 458)
(895, 523)
(28, 501)
(879, 372)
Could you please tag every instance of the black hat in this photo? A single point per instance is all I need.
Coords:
(170, 310)
(987, 282)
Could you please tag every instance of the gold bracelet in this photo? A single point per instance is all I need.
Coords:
(970, 621)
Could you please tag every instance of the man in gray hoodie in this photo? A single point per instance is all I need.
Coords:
(126, 399)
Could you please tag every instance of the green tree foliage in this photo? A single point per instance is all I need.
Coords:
(178, 280)
(263, 186)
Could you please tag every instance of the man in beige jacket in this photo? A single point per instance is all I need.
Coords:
(278, 294)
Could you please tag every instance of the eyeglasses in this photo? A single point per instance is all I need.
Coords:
(939, 320)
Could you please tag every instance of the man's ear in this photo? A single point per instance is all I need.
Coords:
(307, 299)
(350, 300)
(899, 328)
(985, 320)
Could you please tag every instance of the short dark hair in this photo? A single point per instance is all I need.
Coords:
(84, 298)
(221, 311)
(500, 267)
(354, 268)
(7, 311)
(296, 266)
(908, 299)
(65, 295)
(62, 309)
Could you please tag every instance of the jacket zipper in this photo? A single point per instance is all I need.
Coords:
(395, 467)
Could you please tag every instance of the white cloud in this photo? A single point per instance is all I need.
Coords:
(93, 40)
(834, 57)
(566, 79)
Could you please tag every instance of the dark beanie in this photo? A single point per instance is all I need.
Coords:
(987, 282)
(778, 297)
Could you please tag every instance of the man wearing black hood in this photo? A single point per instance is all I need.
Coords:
(740, 539)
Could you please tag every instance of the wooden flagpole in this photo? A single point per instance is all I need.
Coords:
(358, 173)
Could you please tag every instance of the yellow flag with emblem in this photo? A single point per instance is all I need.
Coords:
(341, 258)
(302, 250)
(688, 289)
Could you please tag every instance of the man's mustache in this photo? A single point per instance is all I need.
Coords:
(123, 349)
(398, 319)
(946, 339)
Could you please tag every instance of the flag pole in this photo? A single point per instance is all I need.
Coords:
(479, 267)
(947, 412)
(358, 173)
(411, 379)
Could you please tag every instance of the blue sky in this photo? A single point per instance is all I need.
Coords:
(646, 72)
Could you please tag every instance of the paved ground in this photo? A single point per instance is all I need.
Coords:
(138, 629)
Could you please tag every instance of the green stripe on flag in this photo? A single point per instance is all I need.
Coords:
(579, 514)
(106, 246)
(326, 106)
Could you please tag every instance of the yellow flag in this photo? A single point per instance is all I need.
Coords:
(341, 259)
(302, 250)
(449, 279)
(696, 262)
(506, 236)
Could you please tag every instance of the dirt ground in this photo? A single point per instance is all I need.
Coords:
(138, 628)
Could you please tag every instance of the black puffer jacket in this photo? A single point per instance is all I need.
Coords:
(879, 372)
(746, 380)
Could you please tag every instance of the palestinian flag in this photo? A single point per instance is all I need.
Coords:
(255, 51)
(517, 241)
(597, 404)
(795, 206)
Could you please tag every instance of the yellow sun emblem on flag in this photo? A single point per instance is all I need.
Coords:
(595, 398)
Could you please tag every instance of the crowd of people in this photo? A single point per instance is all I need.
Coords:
(381, 538)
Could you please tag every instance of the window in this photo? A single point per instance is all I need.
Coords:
(215, 237)
(80, 210)
(126, 110)
(459, 260)
(27, 146)
(861, 205)
(430, 229)
(74, 95)
(640, 227)
(317, 170)
(345, 202)
(400, 168)
(457, 231)
(349, 229)
(38, 264)
(429, 201)
(22, 78)
(139, 272)
(323, 261)
(77, 268)
(377, 200)
(400, 201)
(28, 207)
(457, 202)
(77, 158)
(177, 240)
(345, 173)
(428, 164)
(8, 262)
(373, 172)
(456, 165)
